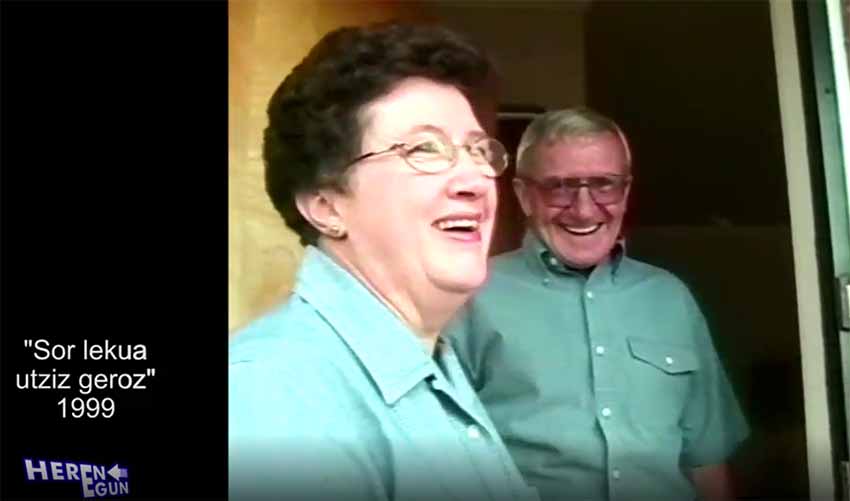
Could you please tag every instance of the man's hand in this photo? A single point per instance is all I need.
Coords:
(713, 482)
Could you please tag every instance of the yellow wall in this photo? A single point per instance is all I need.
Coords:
(539, 46)
(267, 38)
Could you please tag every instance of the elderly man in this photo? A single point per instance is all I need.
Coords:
(598, 370)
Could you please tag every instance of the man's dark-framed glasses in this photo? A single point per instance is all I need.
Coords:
(563, 191)
(432, 152)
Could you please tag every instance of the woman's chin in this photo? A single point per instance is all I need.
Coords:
(462, 281)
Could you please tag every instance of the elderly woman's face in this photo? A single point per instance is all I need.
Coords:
(412, 230)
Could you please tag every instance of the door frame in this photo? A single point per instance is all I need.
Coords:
(820, 237)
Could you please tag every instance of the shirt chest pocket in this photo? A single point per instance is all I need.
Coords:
(659, 380)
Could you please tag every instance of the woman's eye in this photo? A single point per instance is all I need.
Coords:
(481, 151)
(426, 147)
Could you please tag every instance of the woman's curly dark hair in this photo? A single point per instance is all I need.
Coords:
(314, 130)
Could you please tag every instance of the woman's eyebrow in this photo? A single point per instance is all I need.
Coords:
(424, 128)
(475, 134)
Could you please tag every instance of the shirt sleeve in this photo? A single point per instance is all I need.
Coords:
(283, 446)
(713, 424)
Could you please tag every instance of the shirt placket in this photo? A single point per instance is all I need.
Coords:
(609, 411)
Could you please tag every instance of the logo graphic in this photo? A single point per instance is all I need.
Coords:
(96, 481)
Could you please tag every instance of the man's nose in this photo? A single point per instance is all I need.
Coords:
(584, 206)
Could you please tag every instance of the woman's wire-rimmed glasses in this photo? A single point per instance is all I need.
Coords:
(433, 152)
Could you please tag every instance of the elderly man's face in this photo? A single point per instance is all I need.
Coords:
(413, 233)
(580, 230)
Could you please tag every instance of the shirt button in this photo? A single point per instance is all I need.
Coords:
(615, 474)
(600, 350)
(589, 295)
(473, 432)
(553, 261)
(669, 360)
(606, 412)
(546, 281)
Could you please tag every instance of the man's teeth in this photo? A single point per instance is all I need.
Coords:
(464, 224)
(583, 231)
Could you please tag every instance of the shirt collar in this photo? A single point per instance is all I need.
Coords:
(544, 262)
(391, 353)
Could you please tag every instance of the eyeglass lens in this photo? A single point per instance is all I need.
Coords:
(433, 152)
(563, 192)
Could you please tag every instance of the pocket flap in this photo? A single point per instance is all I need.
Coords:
(669, 358)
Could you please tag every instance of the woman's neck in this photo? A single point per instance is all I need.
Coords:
(426, 316)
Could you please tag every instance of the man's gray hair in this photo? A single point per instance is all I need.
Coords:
(564, 124)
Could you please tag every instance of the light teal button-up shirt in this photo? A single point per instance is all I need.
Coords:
(333, 397)
(606, 387)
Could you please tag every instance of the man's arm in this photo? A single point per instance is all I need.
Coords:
(471, 339)
(713, 482)
(713, 423)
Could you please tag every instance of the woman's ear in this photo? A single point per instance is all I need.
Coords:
(318, 207)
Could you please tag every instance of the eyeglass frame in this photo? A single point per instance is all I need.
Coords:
(622, 180)
(452, 162)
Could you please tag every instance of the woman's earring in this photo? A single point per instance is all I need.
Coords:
(336, 230)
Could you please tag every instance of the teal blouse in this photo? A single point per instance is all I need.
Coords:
(333, 397)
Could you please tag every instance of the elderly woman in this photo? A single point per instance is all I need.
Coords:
(375, 157)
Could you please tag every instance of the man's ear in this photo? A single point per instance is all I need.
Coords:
(319, 208)
(522, 195)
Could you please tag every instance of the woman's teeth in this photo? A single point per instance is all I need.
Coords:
(458, 224)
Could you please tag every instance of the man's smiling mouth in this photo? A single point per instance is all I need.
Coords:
(581, 230)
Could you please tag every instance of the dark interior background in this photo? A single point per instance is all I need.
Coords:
(693, 85)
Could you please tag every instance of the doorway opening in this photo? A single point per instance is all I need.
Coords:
(694, 86)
